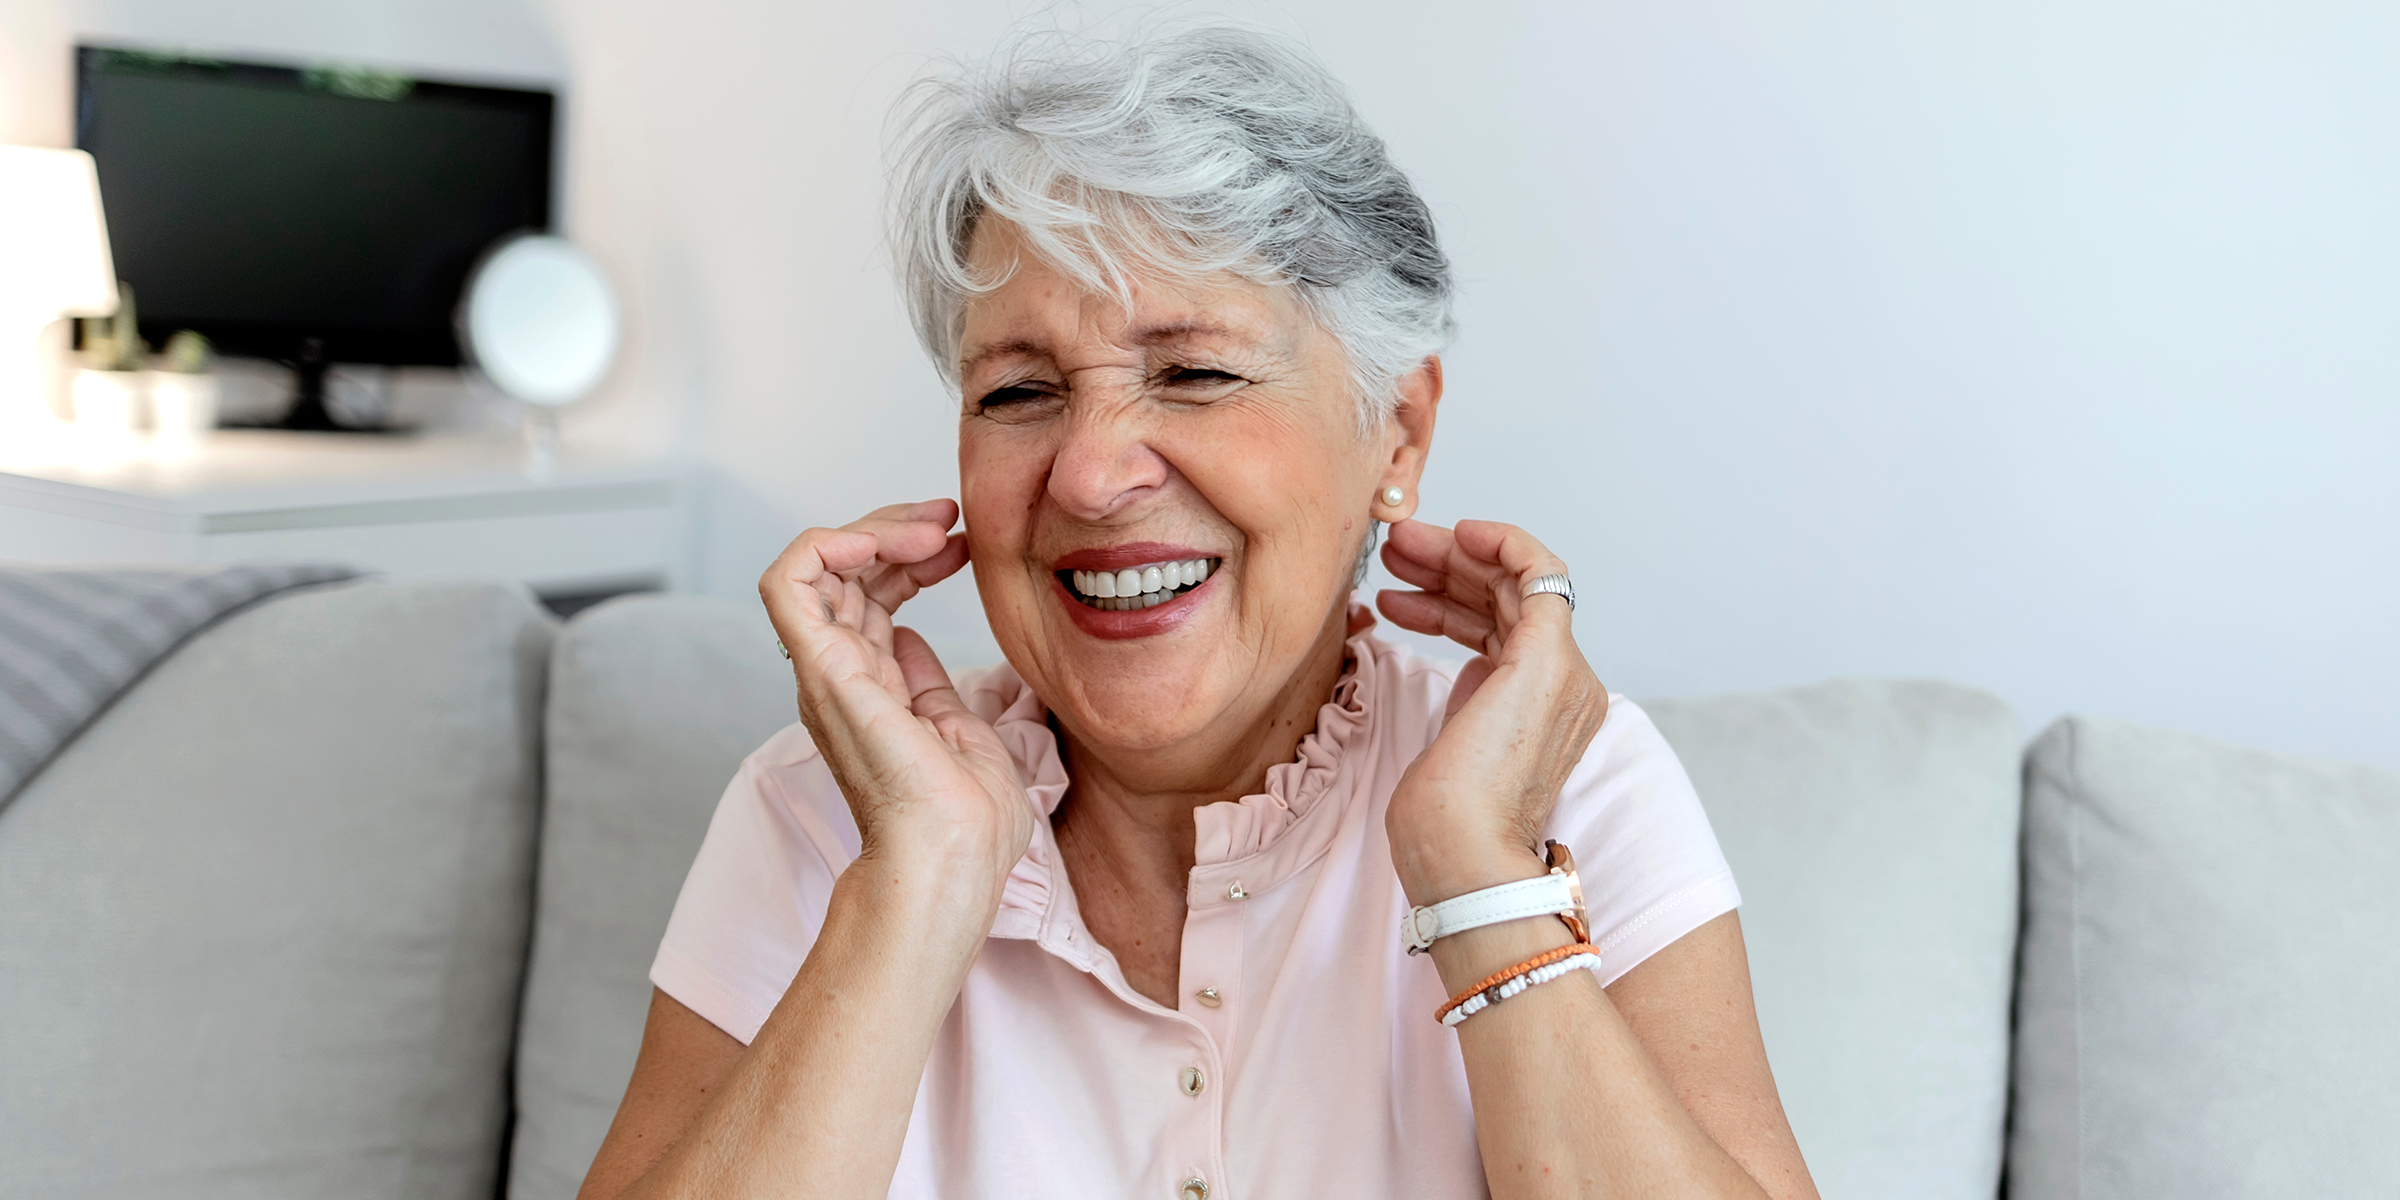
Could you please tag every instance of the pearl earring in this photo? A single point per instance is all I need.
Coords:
(1392, 497)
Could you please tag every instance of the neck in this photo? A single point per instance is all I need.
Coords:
(1133, 811)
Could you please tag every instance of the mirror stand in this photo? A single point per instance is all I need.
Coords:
(541, 441)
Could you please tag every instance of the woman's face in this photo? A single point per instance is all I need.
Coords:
(1109, 456)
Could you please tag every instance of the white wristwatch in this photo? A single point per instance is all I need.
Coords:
(1558, 894)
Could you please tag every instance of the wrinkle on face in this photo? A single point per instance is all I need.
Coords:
(1265, 471)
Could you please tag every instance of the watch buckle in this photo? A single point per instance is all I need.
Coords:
(1561, 861)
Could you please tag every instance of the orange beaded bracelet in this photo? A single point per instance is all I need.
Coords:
(1496, 978)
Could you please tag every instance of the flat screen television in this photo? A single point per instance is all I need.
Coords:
(308, 215)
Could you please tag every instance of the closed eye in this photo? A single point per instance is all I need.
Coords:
(1017, 393)
(1199, 377)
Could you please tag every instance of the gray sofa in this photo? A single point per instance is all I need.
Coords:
(354, 896)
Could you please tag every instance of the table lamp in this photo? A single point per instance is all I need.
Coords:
(54, 263)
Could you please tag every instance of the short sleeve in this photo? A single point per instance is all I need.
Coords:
(1648, 859)
(757, 893)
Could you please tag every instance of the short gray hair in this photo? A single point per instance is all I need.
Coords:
(1183, 154)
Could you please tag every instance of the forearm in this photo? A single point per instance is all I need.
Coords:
(1567, 1101)
(820, 1102)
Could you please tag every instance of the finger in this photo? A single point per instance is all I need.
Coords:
(1429, 557)
(895, 533)
(896, 584)
(894, 518)
(1509, 558)
(942, 512)
(820, 552)
(850, 607)
(1470, 677)
(1475, 583)
(931, 695)
(901, 541)
(1512, 549)
(1424, 576)
(802, 586)
(878, 632)
(1439, 616)
(1419, 542)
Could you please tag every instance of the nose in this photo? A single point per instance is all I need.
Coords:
(1105, 462)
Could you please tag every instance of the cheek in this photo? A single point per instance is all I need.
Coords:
(1286, 484)
(1000, 472)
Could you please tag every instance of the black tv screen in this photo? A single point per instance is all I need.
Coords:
(266, 206)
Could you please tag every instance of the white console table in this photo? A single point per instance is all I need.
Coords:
(600, 521)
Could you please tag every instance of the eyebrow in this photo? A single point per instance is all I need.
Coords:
(1152, 336)
(1013, 348)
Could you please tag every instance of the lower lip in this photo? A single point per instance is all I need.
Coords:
(1134, 622)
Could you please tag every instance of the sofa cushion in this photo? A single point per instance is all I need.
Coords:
(1873, 830)
(654, 702)
(2208, 995)
(262, 926)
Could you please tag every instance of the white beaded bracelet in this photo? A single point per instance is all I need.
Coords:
(1539, 975)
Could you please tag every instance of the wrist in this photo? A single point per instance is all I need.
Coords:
(1466, 957)
(1432, 870)
(942, 905)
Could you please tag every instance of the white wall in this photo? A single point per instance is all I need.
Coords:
(2048, 347)
(496, 39)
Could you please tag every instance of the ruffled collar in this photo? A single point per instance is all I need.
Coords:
(1243, 845)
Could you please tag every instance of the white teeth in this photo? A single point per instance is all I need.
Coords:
(1138, 587)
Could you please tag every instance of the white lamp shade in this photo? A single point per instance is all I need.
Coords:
(54, 259)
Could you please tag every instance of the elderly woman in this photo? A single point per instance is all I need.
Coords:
(1140, 913)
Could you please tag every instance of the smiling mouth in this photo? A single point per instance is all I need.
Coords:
(1145, 586)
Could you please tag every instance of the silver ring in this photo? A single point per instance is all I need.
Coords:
(1556, 585)
(787, 655)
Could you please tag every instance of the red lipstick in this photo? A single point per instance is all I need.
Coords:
(1125, 624)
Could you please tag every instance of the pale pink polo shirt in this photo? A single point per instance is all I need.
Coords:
(1321, 1070)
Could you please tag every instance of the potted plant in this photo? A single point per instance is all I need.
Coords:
(183, 389)
(108, 390)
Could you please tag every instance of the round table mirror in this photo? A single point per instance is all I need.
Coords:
(540, 320)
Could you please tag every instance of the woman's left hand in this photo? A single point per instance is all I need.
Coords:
(1468, 813)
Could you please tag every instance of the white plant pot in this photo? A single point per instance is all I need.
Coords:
(183, 408)
(109, 400)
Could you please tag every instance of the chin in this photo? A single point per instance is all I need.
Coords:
(1122, 714)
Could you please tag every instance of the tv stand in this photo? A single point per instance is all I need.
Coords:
(308, 411)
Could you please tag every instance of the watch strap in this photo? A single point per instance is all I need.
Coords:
(1541, 896)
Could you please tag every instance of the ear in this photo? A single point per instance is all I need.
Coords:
(1411, 437)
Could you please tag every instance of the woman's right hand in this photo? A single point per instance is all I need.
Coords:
(934, 792)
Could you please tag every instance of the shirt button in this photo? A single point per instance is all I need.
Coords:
(1195, 1188)
(1193, 1081)
(1236, 892)
(1210, 996)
